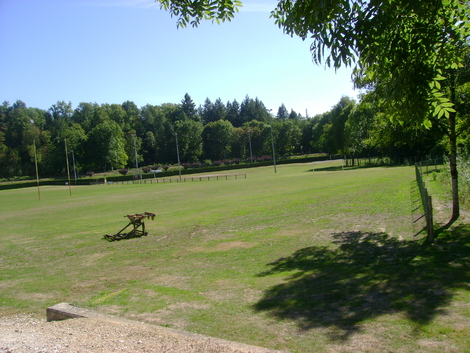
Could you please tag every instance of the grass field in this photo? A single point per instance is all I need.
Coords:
(323, 261)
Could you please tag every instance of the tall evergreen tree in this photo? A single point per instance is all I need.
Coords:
(282, 112)
(189, 108)
(233, 113)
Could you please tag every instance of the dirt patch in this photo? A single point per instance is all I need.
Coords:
(167, 280)
(234, 244)
(174, 315)
(225, 246)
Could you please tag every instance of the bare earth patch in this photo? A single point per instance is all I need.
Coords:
(226, 246)
(27, 334)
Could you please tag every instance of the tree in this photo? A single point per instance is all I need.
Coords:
(106, 147)
(282, 112)
(357, 129)
(338, 117)
(289, 135)
(306, 126)
(403, 48)
(194, 11)
(260, 134)
(89, 115)
(154, 144)
(253, 109)
(20, 127)
(220, 111)
(189, 107)
(207, 112)
(217, 137)
(189, 140)
(293, 115)
(59, 119)
(116, 113)
(240, 143)
(233, 113)
(407, 42)
(149, 147)
(132, 119)
(328, 130)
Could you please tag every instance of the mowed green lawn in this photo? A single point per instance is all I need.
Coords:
(323, 261)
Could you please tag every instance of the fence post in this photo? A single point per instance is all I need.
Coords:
(430, 220)
(426, 201)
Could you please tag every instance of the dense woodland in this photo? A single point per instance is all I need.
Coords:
(105, 137)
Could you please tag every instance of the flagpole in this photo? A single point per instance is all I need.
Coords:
(37, 173)
(68, 169)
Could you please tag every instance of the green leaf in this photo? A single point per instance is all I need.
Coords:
(427, 123)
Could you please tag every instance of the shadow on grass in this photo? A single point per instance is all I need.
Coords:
(366, 276)
(319, 168)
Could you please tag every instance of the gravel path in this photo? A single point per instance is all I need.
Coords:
(26, 334)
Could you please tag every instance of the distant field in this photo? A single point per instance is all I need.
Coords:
(299, 260)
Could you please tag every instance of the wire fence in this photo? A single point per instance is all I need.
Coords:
(426, 203)
(176, 179)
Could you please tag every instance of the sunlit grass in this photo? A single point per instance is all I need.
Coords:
(201, 266)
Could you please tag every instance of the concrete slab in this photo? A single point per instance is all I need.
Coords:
(63, 311)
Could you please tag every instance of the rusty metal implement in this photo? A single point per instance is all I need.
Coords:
(137, 222)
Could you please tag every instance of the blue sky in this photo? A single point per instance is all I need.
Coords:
(110, 51)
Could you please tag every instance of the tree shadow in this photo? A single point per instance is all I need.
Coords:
(368, 275)
(320, 168)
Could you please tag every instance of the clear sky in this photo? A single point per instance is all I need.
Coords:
(111, 51)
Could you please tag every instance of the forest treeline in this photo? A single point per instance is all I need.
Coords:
(104, 137)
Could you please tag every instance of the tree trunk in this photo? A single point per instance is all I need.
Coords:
(453, 170)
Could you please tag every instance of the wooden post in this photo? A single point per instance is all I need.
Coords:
(37, 173)
(430, 220)
(68, 169)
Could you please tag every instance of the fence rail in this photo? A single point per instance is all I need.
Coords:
(176, 179)
(426, 201)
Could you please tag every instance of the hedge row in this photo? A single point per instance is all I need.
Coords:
(119, 178)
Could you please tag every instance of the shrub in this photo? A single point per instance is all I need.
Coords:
(123, 171)
(263, 158)
(196, 165)
(146, 169)
(186, 165)
(90, 173)
(165, 167)
(217, 163)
